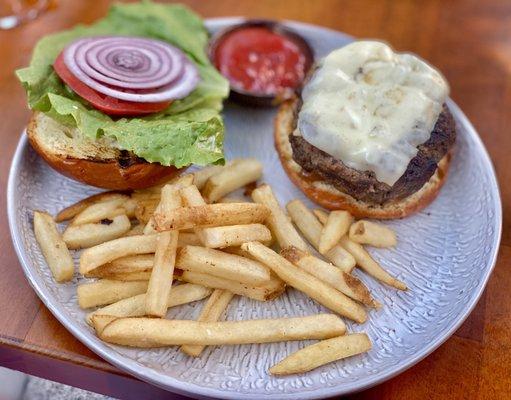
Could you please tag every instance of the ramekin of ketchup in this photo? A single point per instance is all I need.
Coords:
(264, 61)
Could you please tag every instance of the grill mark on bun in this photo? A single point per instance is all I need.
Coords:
(126, 159)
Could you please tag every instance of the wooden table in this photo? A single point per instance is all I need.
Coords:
(470, 41)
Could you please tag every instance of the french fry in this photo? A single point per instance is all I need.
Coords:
(170, 195)
(99, 322)
(160, 281)
(311, 228)
(135, 306)
(231, 200)
(321, 215)
(154, 192)
(307, 283)
(237, 251)
(233, 235)
(192, 197)
(124, 265)
(88, 235)
(106, 291)
(156, 332)
(52, 246)
(324, 352)
(232, 177)
(136, 230)
(223, 265)
(145, 210)
(201, 176)
(136, 267)
(104, 253)
(125, 276)
(188, 239)
(366, 232)
(149, 228)
(341, 258)
(268, 291)
(335, 277)
(212, 311)
(129, 206)
(336, 226)
(364, 259)
(144, 194)
(211, 215)
(369, 265)
(278, 222)
(305, 221)
(101, 210)
(74, 209)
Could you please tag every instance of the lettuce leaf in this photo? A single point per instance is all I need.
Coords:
(189, 131)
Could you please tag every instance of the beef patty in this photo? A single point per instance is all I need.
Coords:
(363, 185)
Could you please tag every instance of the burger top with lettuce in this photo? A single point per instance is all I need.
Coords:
(128, 101)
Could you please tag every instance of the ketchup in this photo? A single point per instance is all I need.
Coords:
(259, 60)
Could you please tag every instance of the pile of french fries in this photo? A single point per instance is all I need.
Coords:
(185, 241)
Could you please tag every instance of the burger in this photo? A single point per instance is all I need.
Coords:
(128, 101)
(369, 132)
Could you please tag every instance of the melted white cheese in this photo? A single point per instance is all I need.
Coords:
(370, 107)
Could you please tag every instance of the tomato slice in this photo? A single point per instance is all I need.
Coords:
(109, 105)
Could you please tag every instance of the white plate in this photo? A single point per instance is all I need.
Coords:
(445, 255)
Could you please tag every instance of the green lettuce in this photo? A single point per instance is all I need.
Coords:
(189, 131)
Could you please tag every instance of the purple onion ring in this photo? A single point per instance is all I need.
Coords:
(131, 68)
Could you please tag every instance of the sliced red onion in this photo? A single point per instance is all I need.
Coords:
(132, 69)
(100, 57)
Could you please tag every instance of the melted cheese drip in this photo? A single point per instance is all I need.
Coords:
(370, 107)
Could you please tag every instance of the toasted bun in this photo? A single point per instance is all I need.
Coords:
(326, 195)
(93, 162)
